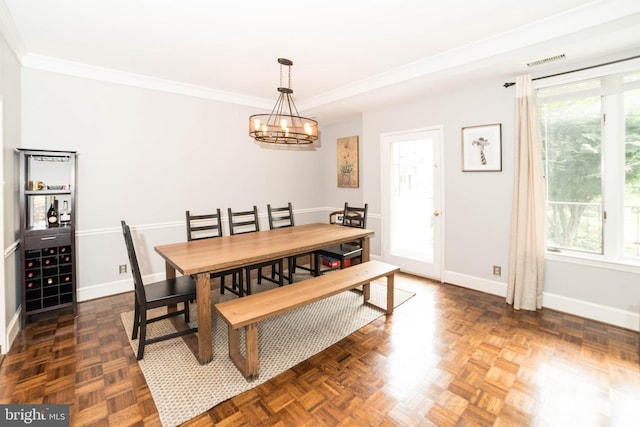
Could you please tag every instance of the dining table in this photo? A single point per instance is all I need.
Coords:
(200, 258)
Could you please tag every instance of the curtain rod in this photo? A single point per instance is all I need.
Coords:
(509, 84)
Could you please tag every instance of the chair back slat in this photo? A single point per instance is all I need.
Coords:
(280, 217)
(241, 222)
(133, 262)
(354, 216)
(203, 226)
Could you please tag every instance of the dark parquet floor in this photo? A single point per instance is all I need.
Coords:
(448, 357)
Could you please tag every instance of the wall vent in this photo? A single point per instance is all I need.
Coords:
(545, 60)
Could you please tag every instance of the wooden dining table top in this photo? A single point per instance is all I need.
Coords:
(228, 252)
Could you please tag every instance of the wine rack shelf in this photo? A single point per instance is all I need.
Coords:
(47, 247)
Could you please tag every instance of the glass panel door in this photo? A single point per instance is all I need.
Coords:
(411, 198)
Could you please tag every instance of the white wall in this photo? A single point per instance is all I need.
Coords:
(146, 156)
(477, 210)
(11, 112)
(332, 195)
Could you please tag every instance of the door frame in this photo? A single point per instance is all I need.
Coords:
(439, 227)
(4, 344)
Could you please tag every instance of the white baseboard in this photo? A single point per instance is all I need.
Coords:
(13, 329)
(471, 282)
(104, 290)
(613, 316)
(601, 313)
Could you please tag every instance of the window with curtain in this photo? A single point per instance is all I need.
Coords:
(591, 152)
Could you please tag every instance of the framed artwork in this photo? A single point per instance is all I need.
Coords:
(482, 148)
(348, 170)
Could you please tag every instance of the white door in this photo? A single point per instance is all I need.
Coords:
(411, 211)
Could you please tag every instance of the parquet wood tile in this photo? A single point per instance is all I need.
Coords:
(448, 357)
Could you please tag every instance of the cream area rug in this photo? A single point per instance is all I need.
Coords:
(182, 388)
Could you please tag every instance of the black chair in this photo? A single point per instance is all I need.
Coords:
(351, 217)
(281, 218)
(158, 294)
(209, 226)
(241, 222)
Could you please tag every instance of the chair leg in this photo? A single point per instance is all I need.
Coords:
(136, 320)
(291, 268)
(247, 288)
(316, 258)
(186, 311)
(143, 333)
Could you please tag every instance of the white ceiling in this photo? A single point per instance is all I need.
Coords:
(348, 55)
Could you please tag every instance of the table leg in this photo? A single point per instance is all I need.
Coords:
(170, 273)
(205, 340)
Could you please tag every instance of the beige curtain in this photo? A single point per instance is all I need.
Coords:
(526, 251)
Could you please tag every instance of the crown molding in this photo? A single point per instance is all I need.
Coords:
(582, 18)
(76, 69)
(575, 20)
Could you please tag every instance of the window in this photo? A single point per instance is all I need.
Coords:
(591, 149)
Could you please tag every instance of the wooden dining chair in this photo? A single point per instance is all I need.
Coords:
(241, 222)
(282, 217)
(163, 293)
(351, 217)
(209, 226)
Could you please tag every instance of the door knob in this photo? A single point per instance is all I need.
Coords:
(436, 213)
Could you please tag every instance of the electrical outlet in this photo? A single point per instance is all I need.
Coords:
(123, 268)
(497, 270)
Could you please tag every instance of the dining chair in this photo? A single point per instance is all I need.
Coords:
(282, 217)
(163, 293)
(209, 226)
(351, 217)
(241, 222)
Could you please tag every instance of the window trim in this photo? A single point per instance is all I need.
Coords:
(613, 256)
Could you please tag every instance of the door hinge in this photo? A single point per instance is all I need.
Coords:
(604, 118)
(604, 215)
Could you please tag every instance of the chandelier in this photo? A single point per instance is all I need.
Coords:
(284, 125)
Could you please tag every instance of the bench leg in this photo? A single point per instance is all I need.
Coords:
(251, 341)
(366, 291)
(248, 365)
(390, 287)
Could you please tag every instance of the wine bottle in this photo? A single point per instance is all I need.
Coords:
(65, 216)
(52, 213)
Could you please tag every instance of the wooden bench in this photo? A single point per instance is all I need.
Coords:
(246, 312)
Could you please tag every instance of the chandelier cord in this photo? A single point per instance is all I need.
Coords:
(289, 76)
